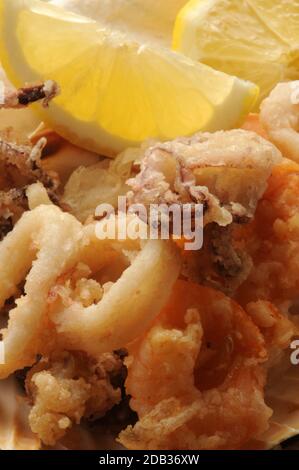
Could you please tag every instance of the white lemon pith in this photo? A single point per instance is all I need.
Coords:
(115, 91)
(256, 40)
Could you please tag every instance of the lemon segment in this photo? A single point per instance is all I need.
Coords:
(151, 20)
(115, 91)
(257, 40)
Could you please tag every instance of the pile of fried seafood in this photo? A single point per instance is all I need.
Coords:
(178, 346)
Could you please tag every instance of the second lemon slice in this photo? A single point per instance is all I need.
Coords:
(256, 40)
(116, 92)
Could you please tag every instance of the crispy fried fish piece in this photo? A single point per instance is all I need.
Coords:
(69, 386)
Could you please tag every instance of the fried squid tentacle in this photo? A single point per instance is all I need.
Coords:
(15, 99)
(21, 166)
(12, 204)
(226, 171)
(26, 160)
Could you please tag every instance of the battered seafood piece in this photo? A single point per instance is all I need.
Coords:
(221, 263)
(29, 94)
(277, 329)
(198, 361)
(89, 187)
(50, 247)
(131, 303)
(61, 256)
(68, 387)
(21, 166)
(280, 117)
(226, 171)
(194, 385)
(12, 204)
(20, 163)
(48, 237)
(272, 240)
(62, 157)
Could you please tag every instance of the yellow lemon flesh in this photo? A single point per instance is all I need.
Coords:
(145, 19)
(115, 91)
(256, 40)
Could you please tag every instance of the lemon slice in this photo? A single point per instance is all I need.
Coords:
(256, 40)
(116, 91)
(145, 19)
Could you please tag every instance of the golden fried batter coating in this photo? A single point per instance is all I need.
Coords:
(225, 171)
(29, 94)
(196, 378)
(68, 387)
(272, 240)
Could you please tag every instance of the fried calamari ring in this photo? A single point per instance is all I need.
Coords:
(50, 244)
(129, 306)
(44, 243)
(196, 378)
